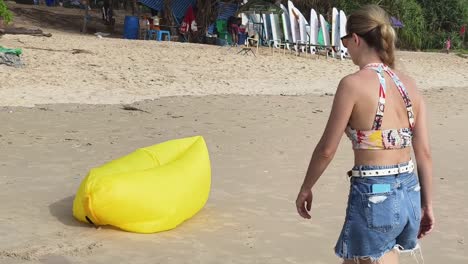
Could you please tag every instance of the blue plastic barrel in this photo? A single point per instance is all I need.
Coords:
(50, 2)
(131, 25)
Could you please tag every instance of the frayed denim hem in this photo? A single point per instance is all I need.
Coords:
(400, 250)
(377, 258)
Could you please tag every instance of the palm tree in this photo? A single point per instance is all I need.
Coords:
(167, 15)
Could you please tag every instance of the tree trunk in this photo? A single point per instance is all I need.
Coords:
(85, 19)
(24, 31)
(206, 14)
(134, 7)
(168, 19)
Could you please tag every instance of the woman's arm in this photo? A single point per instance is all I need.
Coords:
(342, 108)
(422, 153)
(339, 117)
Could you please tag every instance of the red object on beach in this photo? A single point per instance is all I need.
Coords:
(189, 18)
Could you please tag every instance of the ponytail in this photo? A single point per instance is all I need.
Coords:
(372, 23)
(387, 53)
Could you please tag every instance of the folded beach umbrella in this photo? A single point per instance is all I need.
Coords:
(188, 22)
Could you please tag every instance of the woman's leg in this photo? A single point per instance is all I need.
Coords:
(389, 258)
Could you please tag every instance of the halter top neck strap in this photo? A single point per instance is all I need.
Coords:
(380, 68)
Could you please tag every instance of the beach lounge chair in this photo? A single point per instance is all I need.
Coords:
(251, 42)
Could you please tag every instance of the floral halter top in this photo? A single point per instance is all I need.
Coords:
(388, 138)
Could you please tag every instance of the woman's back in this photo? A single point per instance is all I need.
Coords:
(395, 113)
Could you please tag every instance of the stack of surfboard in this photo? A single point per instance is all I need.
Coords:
(338, 30)
(293, 28)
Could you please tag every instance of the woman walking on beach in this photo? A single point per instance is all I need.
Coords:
(384, 115)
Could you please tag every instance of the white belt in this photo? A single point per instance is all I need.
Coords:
(382, 172)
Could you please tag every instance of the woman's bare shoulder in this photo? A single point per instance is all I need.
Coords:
(411, 86)
(353, 83)
(352, 80)
(406, 79)
(348, 86)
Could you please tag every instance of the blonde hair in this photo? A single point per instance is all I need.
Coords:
(372, 23)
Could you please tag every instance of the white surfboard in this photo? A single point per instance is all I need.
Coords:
(343, 20)
(335, 40)
(257, 19)
(303, 26)
(286, 25)
(325, 32)
(314, 27)
(275, 29)
(294, 20)
(266, 26)
(245, 18)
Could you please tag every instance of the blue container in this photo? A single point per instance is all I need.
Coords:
(241, 38)
(50, 2)
(131, 25)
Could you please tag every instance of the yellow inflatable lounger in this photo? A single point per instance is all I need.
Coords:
(150, 190)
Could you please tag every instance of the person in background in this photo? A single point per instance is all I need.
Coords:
(106, 12)
(233, 27)
(448, 44)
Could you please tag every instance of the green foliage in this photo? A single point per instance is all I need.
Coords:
(411, 36)
(5, 14)
(462, 51)
(428, 23)
(350, 6)
(447, 15)
(444, 20)
(437, 39)
(322, 6)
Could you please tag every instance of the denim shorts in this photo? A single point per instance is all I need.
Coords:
(381, 221)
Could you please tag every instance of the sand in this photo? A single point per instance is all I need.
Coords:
(261, 116)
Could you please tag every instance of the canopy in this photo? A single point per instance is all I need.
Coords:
(179, 7)
(260, 7)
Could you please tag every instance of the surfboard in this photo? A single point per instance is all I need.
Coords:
(343, 20)
(275, 29)
(286, 25)
(335, 40)
(257, 29)
(324, 27)
(266, 26)
(303, 25)
(313, 30)
(293, 18)
(245, 18)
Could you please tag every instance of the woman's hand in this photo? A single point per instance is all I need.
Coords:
(427, 222)
(304, 203)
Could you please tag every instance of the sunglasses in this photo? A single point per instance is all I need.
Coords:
(347, 36)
